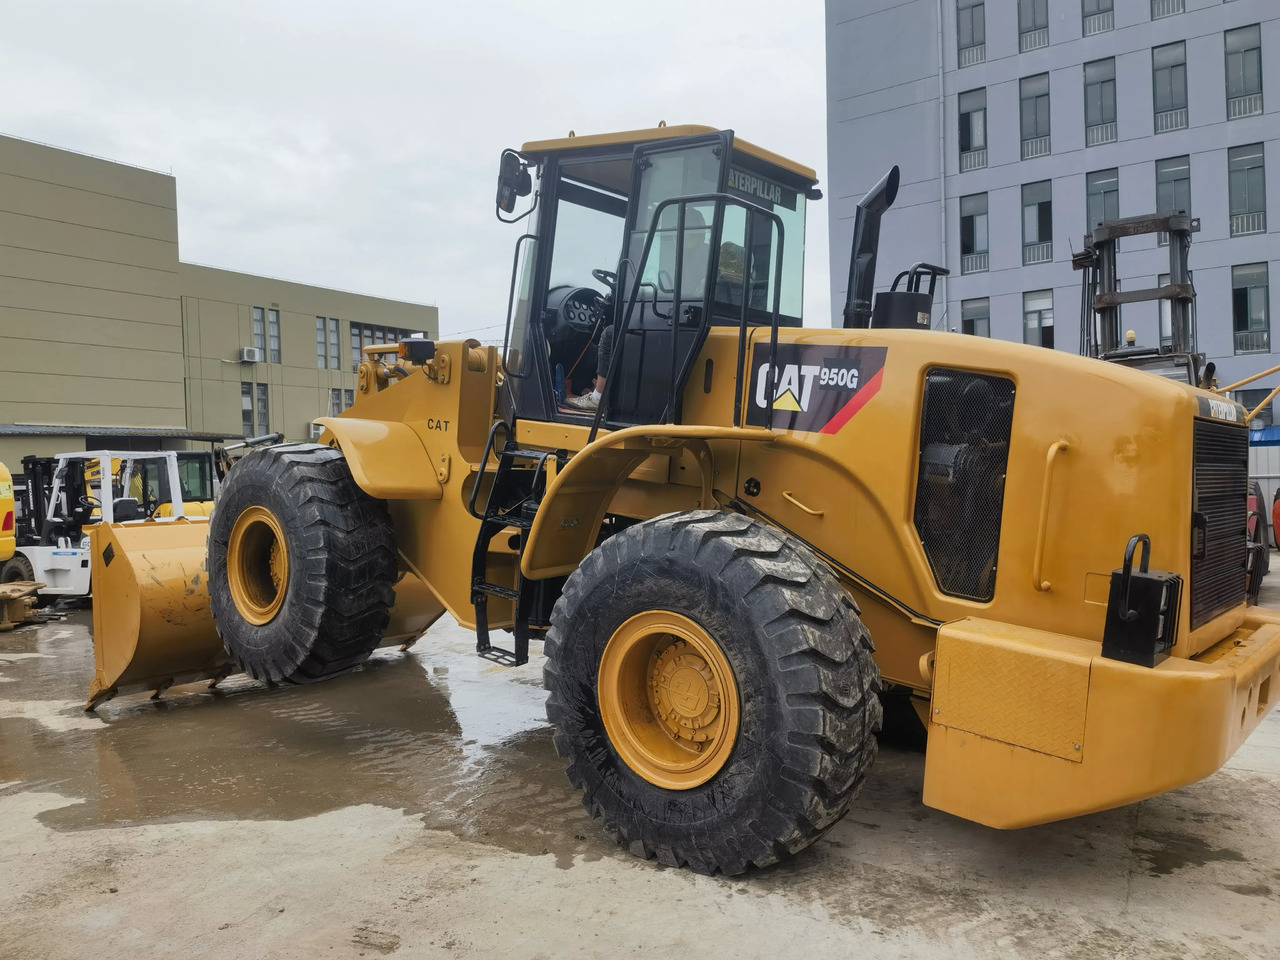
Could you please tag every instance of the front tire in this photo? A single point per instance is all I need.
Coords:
(712, 686)
(302, 565)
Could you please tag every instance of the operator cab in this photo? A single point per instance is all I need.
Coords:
(660, 233)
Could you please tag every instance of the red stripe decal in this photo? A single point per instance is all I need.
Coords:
(856, 403)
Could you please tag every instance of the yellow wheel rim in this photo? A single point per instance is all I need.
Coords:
(257, 565)
(668, 699)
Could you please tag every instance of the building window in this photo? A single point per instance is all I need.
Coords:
(335, 346)
(335, 401)
(971, 31)
(1173, 189)
(322, 347)
(1169, 83)
(975, 317)
(260, 330)
(264, 420)
(1037, 222)
(1250, 315)
(973, 130)
(1166, 8)
(348, 398)
(273, 334)
(366, 335)
(1250, 399)
(1100, 102)
(1034, 94)
(1247, 186)
(246, 408)
(1099, 16)
(1166, 315)
(1102, 196)
(1033, 24)
(973, 233)
(1244, 72)
(1037, 318)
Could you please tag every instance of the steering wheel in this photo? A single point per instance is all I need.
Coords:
(608, 278)
(89, 503)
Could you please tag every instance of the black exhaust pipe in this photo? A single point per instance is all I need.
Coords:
(866, 241)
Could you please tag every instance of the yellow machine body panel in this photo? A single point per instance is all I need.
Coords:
(8, 516)
(190, 508)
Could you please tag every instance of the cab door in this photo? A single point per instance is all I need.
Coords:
(666, 274)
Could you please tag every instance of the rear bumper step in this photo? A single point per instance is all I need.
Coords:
(1027, 726)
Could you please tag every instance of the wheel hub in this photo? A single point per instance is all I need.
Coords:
(684, 693)
(668, 699)
(257, 565)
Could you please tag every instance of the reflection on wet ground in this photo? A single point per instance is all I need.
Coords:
(436, 731)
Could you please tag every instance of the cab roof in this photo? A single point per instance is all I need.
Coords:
(573, 142)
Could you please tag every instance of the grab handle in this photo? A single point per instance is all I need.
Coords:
(786, 495)
(1037, 565)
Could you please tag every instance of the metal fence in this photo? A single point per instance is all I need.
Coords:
(1037, 252)
(1100, 133)
(1035, 147)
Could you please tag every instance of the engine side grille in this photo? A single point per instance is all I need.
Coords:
(1219, 519)
(964, 449)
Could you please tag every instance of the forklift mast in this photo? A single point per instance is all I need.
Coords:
(1101, 296)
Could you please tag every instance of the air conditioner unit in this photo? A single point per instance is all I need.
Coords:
(250, 355)
(314, 430)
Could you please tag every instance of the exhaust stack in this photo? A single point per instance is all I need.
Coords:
(866, 241)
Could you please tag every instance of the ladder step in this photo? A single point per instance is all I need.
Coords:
(496, 590)
(503, 658)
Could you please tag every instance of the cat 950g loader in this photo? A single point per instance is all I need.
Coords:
(1049, 552)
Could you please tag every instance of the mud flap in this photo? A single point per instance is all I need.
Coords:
(152, 627)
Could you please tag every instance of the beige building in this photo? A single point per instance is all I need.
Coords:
(108, 339)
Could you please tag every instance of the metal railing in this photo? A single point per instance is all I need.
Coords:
(1099, 22)
(1037, 252)
(1033, 39)
(1253, 341)
(1171, 120)
(974, 262)
(1100, 133)
(1250, 105)
(975, 54)
(1166, 8)
(973, 160)
(1243, 224)
(1035, 147)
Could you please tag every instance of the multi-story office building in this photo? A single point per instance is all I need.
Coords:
(107, 339)
(1019, 124)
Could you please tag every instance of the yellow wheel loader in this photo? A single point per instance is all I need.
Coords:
(707, 512)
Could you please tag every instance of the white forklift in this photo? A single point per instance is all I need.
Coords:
(58, 498)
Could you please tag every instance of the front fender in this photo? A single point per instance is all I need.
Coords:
(387, 458)
(569, 517)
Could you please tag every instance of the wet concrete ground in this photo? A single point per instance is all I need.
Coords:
(417, 809)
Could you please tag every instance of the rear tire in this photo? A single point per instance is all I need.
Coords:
(800, 697)
(302, 565)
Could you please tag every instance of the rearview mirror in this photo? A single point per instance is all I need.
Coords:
(513, 181)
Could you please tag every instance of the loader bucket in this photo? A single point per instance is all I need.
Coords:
(152, 626)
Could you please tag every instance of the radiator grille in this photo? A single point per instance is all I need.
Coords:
(1219, 519)
(964, 450)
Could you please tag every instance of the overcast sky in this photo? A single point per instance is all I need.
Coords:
(355, 145)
